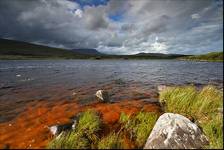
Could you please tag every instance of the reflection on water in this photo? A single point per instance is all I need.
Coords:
(23, 82)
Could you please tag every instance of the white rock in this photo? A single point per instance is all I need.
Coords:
(174, 131)
(161, 87)
(102, 95)
(53, 129)
(74, 93)
(60, 129)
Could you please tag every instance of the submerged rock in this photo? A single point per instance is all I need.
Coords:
(102, 95)
(60, 129)
(174, 131)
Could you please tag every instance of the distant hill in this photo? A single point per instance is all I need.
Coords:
(213, 56)
(87, 51)
(11, 49)
(160, 55)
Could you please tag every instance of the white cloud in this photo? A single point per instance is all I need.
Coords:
(78, 13)
(195, 16)
(160, 47)
(66, 24)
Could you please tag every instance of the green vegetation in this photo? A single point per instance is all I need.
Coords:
(84, 136)
(203, 105)
(89, 124)
(112, 141)
(72, 140)
(139, 126)
(213, 56)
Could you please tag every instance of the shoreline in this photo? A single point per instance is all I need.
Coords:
(95, 58)
(30, 129)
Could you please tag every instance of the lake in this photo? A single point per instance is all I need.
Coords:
(27, 81)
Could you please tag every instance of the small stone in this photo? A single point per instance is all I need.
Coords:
(18, 75)
(161, 87)
(103, 95)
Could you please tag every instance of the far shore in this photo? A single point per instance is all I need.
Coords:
(97, 58)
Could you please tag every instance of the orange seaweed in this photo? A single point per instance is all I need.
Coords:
(30, 128)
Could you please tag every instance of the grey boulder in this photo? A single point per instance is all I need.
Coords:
(174, 131)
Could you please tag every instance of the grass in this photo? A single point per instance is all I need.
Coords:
(89, 124)
(203, 105)
(111, 141)
(71, 140)
(213, 56)
(139, 126)
(84, 136)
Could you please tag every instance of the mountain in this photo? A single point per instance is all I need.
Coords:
(87, 51)
(11, 49)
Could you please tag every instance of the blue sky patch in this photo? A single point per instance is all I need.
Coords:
(116, 17)
(83, 3)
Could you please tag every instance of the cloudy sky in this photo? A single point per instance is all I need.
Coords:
(115, 26)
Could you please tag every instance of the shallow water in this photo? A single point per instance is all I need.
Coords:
(23, 82)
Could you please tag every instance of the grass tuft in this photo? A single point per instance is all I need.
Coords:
(111, 141)
(89, 124)
(202, 105)
(71, 140)
(84, 136)
(139, 126)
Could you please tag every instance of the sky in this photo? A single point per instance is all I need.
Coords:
(116, 26)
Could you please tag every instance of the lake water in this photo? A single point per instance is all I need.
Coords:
(23, 82)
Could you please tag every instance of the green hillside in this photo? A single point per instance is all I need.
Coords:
(213, 56)
(10, 49)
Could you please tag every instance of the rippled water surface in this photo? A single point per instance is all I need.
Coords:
(22, 82)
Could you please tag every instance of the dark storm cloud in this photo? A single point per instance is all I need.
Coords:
(122, 27)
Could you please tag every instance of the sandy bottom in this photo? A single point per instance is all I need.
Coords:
(30, 128)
